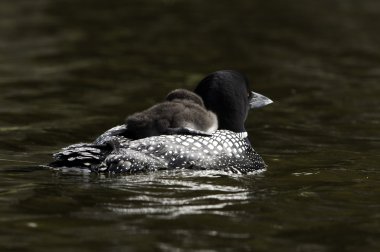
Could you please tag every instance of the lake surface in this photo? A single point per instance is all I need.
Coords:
(71, 69)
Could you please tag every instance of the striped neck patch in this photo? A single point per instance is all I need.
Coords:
(242, 135)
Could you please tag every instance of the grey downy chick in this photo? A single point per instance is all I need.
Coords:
(183, 112)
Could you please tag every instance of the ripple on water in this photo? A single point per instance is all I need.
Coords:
(169, 194)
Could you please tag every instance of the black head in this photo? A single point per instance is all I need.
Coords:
(183, 94)
(227, 94)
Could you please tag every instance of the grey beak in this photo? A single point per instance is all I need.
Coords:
(258, 101)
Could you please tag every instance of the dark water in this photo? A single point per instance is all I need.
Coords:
(71, 69)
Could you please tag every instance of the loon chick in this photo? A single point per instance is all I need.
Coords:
(183, 112)
(226, 93)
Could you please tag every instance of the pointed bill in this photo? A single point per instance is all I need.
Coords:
(258, 101)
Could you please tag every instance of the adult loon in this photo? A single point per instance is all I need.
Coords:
(224, 92)
(183, 112)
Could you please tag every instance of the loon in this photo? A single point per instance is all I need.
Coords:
(183, 112)
(226, 93)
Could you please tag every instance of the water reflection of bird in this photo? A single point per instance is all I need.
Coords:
(226, 93)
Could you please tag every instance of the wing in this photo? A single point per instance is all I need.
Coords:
(111, 152)
(224, 150)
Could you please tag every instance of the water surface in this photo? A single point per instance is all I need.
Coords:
(71, 69)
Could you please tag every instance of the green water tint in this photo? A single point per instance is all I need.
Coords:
(71, 69)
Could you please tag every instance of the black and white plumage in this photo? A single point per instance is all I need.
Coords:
(183, 112)
(224, 150)
(225, 93)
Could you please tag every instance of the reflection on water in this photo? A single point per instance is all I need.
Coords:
(177, 193)
(71, 69)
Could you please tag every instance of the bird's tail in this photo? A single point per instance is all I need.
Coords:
(82, 155)
(90, 155)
